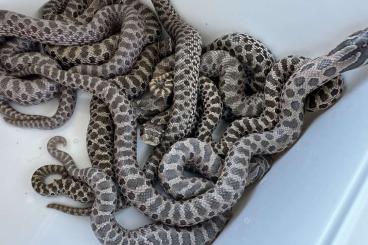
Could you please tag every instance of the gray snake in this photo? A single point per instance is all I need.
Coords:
(286, 132)
(206, 211)
(351, 54)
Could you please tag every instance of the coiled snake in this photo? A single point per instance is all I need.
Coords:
(200, 215)
(348, 55)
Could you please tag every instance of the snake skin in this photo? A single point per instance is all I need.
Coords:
(25, 91)
(232, 79)
(349, 55)
(139, 28)
(256, 58)
(187, 51)
(100, 139)
(78, 191)
(106, 191)
(100, 134)
(161, 85)
(15, 55)
(209, 108)
(67, 103)
(202, 158)
(269, 99)
(127, 170)
(59, 32)
(63, 10)
(72, 12)
(9, 112)
(275, 81)
(261, 67)
(205, 213)
(63, 113)
(257, 61)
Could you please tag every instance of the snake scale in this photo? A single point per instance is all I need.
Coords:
(182, 102)
(230, 184)
(264, 107)
(127, 166)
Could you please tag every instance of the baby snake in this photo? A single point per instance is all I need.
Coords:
(208, 207)
(350, 54)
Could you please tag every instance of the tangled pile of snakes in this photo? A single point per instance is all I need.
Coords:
(169, 90)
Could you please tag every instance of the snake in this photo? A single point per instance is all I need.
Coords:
(100, 151)
(67, 104)
(15, 55)
(140, 28)
(65, 185)
(100, 133)
(214, 63)
(119, 51)
(63, 113)
(133, 84)
(310, 76)
(73, 12)
(260, 67)
(103, 23)
(209, 111)
(254, 56)
(257, 61)
(350, 54)
(279, 74)
(25, 91)
(138, 190)
(187, 59)
(100, 140)
(232, 76)
(106, 191)
(125, 127)
(63, 10)
(194, 154)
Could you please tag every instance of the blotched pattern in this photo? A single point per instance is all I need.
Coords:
(235, 78)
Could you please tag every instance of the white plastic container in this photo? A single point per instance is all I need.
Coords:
(316, 193)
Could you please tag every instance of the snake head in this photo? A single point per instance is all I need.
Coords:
(355, 47)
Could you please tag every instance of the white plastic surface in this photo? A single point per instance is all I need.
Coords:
(316, 193)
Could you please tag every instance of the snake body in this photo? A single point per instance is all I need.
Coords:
(63, 10)
(134, 83)
(346, 56)
(140, 27)
(106, 192)
(126, 129)
(201, 213)
(258, 60)
(79, 12)
(100, 133)
(269, 99)
(65, 185)
(59, 32)
(232, 80)
(209, 111)
(187, 59)
(63, 113)
(15, 55)
(203, 160)
(277, 77)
